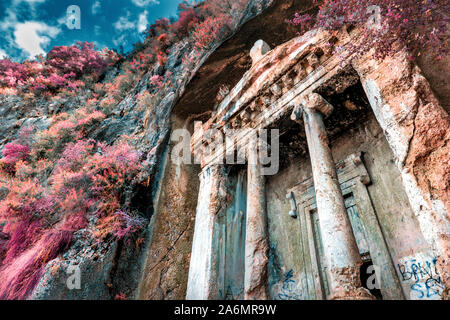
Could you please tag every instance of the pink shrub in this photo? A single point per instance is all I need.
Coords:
(122, 157)
(126, 224)
(88, 179)
(10, 73)
(85, 117)
(75, 205)
(412, 25)
(21, 237)
(160, 26)
(74, 156)
(206, 32)
(157, 81)
(79, 59)
(161, 57)
(14, 152)
(187, 19)
(63, 68)
(19, 278)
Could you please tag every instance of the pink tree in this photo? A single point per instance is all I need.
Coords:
(414, 25)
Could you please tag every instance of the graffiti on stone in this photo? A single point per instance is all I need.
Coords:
(290, 288)
(422, 276)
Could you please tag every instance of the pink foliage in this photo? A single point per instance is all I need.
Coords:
(78, 60)
(157, 81)
(63, 68)
(160, 26)
(12, 73)
(27, 201)
(88, 179)
(127, 224)
(75, 205)
(74, 155)
(85, 117)
(187, 19)
(21, 237)
(412, 25)
(209, 30)
(122, 156)
(18, 279)
(14, 152)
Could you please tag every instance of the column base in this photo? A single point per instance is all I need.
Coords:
(348, 285)
(355, 294)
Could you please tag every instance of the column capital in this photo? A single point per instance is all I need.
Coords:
(316, 102)
(312, 101)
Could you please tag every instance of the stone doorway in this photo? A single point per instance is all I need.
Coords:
(318, 267)
(315, 271)
(230, 236)
(366, 272)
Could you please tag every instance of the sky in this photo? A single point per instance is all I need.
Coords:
(32, 27)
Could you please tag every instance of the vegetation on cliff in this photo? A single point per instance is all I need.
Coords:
(385, 24)
(57, 180)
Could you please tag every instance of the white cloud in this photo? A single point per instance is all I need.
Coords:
(124, 23)
(30, 36)
(143, 21)
(10, 20)
(24, 39)
(3, 54)
(96, 7)
(62, 20)
(142, 3)
(120, 40)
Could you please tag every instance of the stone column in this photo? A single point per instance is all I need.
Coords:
(340, 249)
(256, 241)
(202, 278)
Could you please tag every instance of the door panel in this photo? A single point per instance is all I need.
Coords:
(363, 219)
(319, 252)
(357, 226)
(231, 243)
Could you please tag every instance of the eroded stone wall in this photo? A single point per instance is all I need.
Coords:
(417, 129)
(170, 231)
(407, 247)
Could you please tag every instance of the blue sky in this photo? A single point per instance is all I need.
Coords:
(31, 27)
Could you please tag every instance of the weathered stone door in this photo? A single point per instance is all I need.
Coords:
(377, 272)
(361, 240)
(231, 241)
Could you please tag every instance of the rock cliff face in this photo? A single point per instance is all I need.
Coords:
(110, 270)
